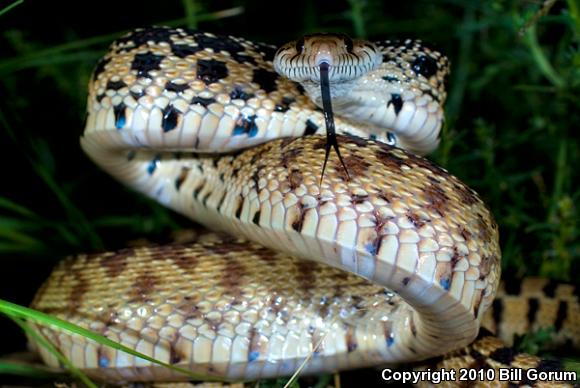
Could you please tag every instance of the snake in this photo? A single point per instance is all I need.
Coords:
(386, 258)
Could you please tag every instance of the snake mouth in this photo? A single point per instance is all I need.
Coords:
(336, 73)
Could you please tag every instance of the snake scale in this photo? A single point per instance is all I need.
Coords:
(388, 258)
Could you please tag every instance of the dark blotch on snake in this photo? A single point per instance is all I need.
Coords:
(100, 67)
(298, 223)
(549, 365)
(389, 78)
(238, 212)
(388, 331)
(146, 62)
(150, 34)
(513, 287)
(197, 190)
(239, 94)
(268, 50)
(115, 85)
(222, 43)
(144, 286)
(284, 105)
(425, 66)
(184, 50)
(256, 219)
(115, 263)
(153, 165)
(504, 355)
(119, 111)
(533, 306)
(561, 315)
(202, 101)
(182, 177)
(310, 129)
(210, 71)
(396, 101)
(177, 88)
(245, 125)
(266, 79)
(137, 95)
(170, 118)
(550, 289)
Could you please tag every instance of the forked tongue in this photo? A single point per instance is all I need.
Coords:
(331, 140)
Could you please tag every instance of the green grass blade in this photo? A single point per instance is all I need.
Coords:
(16, 311)
(8, 8)
(18, 369)
(53, 350)
(8, 204)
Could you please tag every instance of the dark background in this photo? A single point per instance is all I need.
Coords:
(512, 119)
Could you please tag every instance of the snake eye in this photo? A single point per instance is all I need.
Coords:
(299, 47)
(348, 44)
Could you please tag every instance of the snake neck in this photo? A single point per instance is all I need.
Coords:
(340, 92)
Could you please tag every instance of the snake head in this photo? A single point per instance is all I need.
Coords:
(347, 58)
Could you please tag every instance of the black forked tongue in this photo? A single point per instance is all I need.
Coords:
(331, 140)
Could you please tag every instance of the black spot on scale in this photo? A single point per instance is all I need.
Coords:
(119, 111)
(150, 34)
(177, 88)
(310, 129)
(561, 315)
(115, 85)
(546, 365)
(268, 51)
(396, 101)
(239, 94)
(152, 166)
(533, 306)
(389, 78)
(425, 66)
(513, 287)
(197, 190)
(550, 289)
(202, 101)
(100, 97)
(238, 212)
(284, 105)
(170, 118)
(218, 43)
(504, 355)
(256, 219)
(146, 62)
(266, 79)
(182, 177)
(497, 312)
(137, 95)
(100, 67)
(245, 125)
(211, 71)
(183, 50)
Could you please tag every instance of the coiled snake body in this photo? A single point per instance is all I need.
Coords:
(402, 258)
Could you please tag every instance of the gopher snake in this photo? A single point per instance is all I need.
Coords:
(163, 99)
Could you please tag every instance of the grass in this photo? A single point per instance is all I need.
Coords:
(511, 121)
